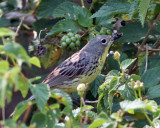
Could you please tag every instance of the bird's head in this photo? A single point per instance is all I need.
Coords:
(101, 43)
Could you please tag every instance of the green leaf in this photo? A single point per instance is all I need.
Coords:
(67, 10)
(6, 32)
(143, 7)
(19, 110)
(15, 50)
(42, 93)
(126, 63)
(4, 66)
(84, 17)
(46, 7)
(3, 86)
(4, 22)
(22, 85)
(133, 32)
(151, 77)
(126, 92)
(62, 97)
(65, 26)
(97, 123)
(113, 83)
(151, 105)
(95, 84)
(111, 8)
(35, 61)
(130, 106)
(50, 119)
(133, 8)
(153, 92)
(39, 120)
(134, 77)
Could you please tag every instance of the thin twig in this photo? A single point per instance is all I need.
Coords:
(3, 113)
(144, 41)
(150, 30)
(82, 3)
(19, 26)
(146, 59)
(91, 102)
(27, 112)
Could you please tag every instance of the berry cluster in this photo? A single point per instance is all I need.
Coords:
(105, 31)
(70, 41)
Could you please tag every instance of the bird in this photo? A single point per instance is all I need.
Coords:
(82, 67)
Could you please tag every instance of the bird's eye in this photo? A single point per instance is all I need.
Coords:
(103, 41)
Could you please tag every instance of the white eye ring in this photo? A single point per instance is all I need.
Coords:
(103, 41)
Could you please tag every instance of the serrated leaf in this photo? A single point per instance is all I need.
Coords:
(134, 77)
(126, 63)
(39, 120)
(67, 10)
(35, 61)
(16, 51)
(151, 105)
(153, 92)
(84, 17)
(6, 32)
(151, 77)
(133, 8)
(62, 97)
(42, 93)
(19, 110)
(65, 26)
(98, 122)
(46, 7)
(126, 92)
(113, 83)
(95, 84)
(110, 8)
(143, 7)
(130, 106)
(133, 32)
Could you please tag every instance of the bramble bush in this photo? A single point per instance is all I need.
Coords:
(35, 36)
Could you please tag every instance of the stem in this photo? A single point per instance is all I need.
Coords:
(123, 79)
(135, 93)
(139, 93)
(92, 4)
(82, 3)
(149, 120)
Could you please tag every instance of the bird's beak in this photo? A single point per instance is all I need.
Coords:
(117, 36)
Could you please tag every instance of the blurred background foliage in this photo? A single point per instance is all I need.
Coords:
(32, 45)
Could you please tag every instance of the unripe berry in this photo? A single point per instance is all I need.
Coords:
(63, 38)
(116, 55)
(77, 43)
(68, 40)
(77, 36)
(72, 45)
(63, 45)
(80, 89)
(70, 34)
(73, 39)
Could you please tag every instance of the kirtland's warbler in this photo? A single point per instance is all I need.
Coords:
(82, 67)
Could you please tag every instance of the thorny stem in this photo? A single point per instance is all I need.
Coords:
(149, 120)
(82, 3)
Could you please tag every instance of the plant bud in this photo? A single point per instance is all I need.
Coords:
(80, 89)
(116, 55)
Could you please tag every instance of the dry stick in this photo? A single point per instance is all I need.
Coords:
(19, 25)
(145, 39)
(146, 59)
(91, 102)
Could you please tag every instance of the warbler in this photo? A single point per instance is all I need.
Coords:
(82, 67)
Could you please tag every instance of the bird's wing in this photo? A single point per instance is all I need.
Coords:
(71, 68)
